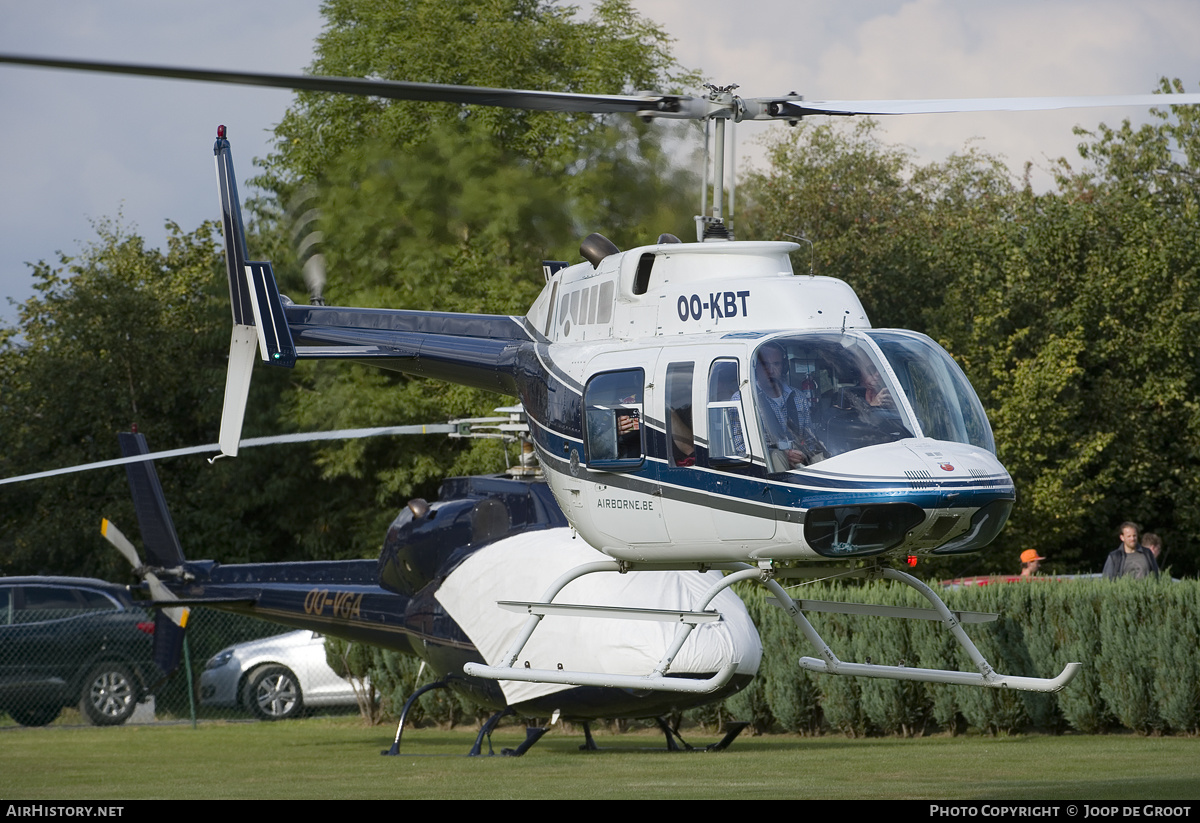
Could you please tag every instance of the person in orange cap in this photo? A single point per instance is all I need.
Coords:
(1029, 563)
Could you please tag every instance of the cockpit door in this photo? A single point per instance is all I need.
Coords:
(740, 500)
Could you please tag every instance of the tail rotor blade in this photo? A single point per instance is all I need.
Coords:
(113, 535)
(169, 622)
(177, 614)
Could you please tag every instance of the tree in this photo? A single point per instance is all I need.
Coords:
(1102, 313)
(889, 227)
(121, 334)
(511, 44)
(126, 335)
(1074, 312)
(440, 206)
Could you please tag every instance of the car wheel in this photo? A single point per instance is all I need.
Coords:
(34, 715)
(273, 693)
(109, 695)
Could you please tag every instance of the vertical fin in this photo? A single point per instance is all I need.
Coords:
(161, 545)
(168, 641)
(237, 388)
(159, 540)
(233, 231)
(258, 312)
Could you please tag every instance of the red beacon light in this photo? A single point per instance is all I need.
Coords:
(220, 132)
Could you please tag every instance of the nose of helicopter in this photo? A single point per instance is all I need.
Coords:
(918, 496)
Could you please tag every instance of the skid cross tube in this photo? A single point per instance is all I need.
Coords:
(657, 680)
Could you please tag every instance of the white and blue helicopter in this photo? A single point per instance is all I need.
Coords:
(694, 405)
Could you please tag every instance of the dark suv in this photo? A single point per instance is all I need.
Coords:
(72, 641)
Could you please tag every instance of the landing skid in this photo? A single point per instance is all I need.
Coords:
(532, 733)
(675, 741)
(395, 749)
(485, 732)
(687, 621)
(987, 676)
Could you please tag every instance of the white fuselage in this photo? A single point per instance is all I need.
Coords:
(653, 430)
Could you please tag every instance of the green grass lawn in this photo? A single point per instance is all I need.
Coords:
(340, 758)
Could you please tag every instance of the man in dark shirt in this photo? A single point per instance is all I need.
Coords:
(1130, 559)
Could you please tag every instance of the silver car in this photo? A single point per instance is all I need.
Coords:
(275, 678)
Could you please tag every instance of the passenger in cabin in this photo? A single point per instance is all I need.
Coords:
(868, 391)
(860, 410)
(613, 417)
(785, 414)
(629, 431)
(683, 442)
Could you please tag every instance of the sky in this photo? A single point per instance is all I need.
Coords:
(87, 148)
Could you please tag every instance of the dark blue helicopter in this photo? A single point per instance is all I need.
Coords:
(431, 593)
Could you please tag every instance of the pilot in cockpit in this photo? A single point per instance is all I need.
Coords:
(861, 410)
(785, 413)
(869, 391)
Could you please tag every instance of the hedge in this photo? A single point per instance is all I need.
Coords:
(1137, 640)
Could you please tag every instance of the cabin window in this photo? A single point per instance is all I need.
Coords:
(726, 439)
(783, 393)
(613, 420)
(564, 309)
(680, 438)
(819, 395)
(605, 303)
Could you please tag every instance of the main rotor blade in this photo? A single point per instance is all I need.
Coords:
(391, 89)
(662, 105)
(800, 108)
(214, 448)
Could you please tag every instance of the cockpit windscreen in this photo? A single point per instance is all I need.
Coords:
(823, 394)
